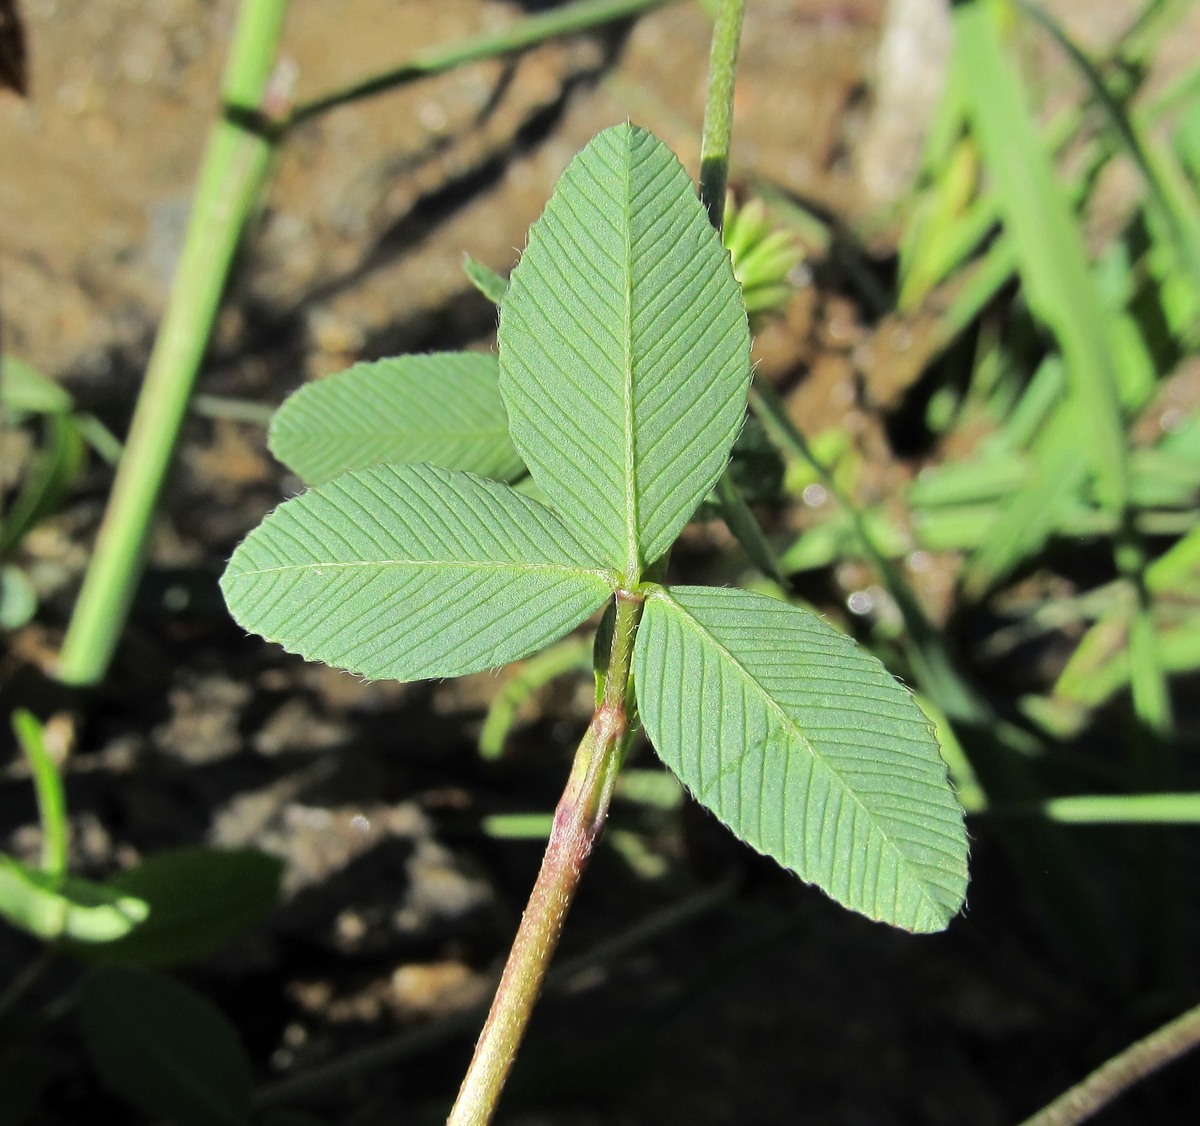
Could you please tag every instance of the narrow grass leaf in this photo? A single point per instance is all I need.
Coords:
(48, 785)
(571, 655)
(442, 408)
(806, 747)
(624, 349)
(1116, 809)
(1170, 200)
(411, 571)
(745, 528)
(935, 667)
(1034, 510)
(25, 390)
(1048, 243)
(1177, 570)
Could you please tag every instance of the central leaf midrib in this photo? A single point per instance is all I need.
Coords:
(469, 564)
(823, 761)
(632, 562)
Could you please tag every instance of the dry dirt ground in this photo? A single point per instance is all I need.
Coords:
(772, 1006)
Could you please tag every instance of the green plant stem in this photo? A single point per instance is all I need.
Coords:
(47, 784)
(718, 111)
(233, 172)
(1140, 1059)
(578, 820)
(26, 978)
(526, 33)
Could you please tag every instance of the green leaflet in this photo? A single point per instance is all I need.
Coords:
(624, 366)
(413, 571)
(443, 408)
(164, 1048)
(806, 747)
(196, 900)
(624, 350)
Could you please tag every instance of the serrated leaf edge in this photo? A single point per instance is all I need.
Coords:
(661, 594)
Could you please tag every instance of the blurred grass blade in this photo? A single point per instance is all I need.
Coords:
(1049, 246)
(570, 654)
(1100, 666)
(1173, 205)
(1147, 679)
(25, 390)
(47, 783)
(517, 826)
(54, 468)
(1178, 568)
(967, 788)
(741, 522)
(1116, 809)
(234, 168)
(1034, 510)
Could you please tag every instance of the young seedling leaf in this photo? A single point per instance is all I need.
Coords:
(443, 408)
(165, 1049)
(624, 349)
(25, 390)
(491, 284)
(53, 907)
(806, 747)
(411, 571)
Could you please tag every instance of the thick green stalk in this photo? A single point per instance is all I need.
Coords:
(526, 33)
(578, 820)
(718, 111)
(233, 172)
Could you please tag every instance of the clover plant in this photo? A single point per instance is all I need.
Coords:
(467, 511)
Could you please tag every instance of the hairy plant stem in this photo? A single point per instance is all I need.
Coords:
(1142, 1058)
(578, 820)
(718, 110)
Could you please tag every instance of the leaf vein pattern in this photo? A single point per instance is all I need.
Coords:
(880, 830)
